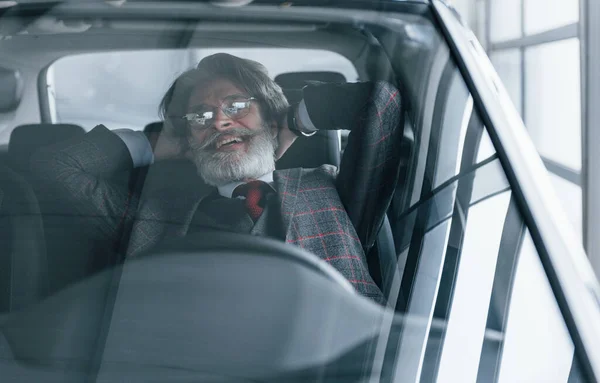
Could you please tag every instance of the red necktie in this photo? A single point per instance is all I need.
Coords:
(254, 192)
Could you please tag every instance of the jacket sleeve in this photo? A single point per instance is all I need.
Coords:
(88, 176)
(370, 166)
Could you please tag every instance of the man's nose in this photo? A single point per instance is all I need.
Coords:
(222, 121)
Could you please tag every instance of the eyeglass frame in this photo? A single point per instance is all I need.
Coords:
(188, 119)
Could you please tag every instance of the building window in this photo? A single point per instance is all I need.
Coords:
(535, 48)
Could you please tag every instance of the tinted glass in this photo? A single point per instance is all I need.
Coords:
(108, 274)
(111, 81)
(467, 266)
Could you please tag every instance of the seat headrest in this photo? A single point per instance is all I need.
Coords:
(321, 148)
(292, 83)
(11, 89)
(312, 152)
(153, 127)
(25, 140)
(297, 80)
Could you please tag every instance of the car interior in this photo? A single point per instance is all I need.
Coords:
(26, 138)
(48, 276)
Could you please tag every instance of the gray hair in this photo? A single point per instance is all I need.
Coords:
(248, 75)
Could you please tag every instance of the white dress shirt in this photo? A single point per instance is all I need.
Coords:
(227, 190)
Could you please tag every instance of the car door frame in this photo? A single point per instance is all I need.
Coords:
(569, 271)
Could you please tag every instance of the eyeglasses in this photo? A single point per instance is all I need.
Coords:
(234, 107)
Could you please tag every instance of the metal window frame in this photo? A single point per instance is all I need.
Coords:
(590, 97)
(562, 171)
(573, 30)
(569, 271)
(561, 33)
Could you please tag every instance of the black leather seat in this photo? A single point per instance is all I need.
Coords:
(23, 263)
(153, 127)
(24, 277)
(323, 147)
(28, 139)
(64, 260)
(293, 82)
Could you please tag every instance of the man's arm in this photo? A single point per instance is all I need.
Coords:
(369, 171)
(337, 106)
(81, 177)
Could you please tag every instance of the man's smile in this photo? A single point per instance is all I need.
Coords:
(230, 143)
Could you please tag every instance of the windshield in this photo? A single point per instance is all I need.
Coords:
(271, 192)
(113, 88)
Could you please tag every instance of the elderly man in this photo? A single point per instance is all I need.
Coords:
(232, 121)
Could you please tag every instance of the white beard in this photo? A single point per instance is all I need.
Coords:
(220, 168)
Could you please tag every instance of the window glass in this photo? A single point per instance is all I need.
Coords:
(505, 20)
(472, 290)
(456, 230)
(508, 65)
(553, 101)
(422, 303)
(112, 88)
(450, 134)
(463, 256)
(542, 15)
(486, 147)
(536, 346)
(468, 268)
(454, 123)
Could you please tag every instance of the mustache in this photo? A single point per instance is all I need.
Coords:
(213, 138)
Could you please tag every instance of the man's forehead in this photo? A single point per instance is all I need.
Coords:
(213, 92)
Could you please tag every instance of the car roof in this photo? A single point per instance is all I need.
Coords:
(52, 30)
(41, 33)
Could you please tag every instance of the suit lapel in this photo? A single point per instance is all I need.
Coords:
(189, 213)
(287, 183)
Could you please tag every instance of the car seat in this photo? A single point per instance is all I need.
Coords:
(325, 148)
(28, 139)
(62, 248)
(23, 263)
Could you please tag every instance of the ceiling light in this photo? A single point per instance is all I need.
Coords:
(231, 3)
(6, 4)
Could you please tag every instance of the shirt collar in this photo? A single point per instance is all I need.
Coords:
(227, 190)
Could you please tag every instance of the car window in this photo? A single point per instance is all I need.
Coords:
(109, 273)
(466, 262)
(113, 87)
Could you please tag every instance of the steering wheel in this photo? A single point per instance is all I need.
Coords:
(213, 241)
(213, 305)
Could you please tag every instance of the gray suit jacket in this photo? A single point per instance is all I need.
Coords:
(335, 215)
